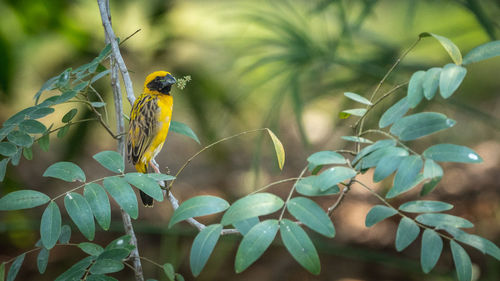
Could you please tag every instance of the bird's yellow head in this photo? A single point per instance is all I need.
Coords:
(159, 81)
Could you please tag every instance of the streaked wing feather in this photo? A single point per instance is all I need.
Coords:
(142, 127)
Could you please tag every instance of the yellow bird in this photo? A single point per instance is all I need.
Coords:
(149, 123)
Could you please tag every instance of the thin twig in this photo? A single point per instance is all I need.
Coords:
(339, 200)
(272, 184)
(370, 108)
(291, 192)
(374, 93)
(207, 147)
(106, 22)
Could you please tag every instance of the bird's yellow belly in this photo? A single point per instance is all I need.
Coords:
(164, 116)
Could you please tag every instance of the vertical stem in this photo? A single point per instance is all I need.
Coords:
(120, 125)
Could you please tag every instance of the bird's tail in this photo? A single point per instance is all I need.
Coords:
(146, 199)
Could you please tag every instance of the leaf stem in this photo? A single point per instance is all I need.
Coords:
(291, 192)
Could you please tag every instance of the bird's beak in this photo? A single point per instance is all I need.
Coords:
(168, 81)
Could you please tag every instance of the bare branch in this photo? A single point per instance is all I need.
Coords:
(110, 35)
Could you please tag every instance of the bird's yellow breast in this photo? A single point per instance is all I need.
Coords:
(164, 116)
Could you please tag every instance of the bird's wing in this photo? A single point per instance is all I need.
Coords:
(142, 127)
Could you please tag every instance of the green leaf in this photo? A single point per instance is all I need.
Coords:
(356, 111)
(48, 85)
(122, 242)
(66, 95)
(371, 148)
(99, 203)
(309, 186)
(160, 177)
(65, 234)
(104, 266)
(245, 226)
(434, 173)
(452, 153)
(2, 271)
(394, 113)
(198, 206)
(5, 130)
(76, 271)
(332, 176)
(250, 206)
(442, 220)
(448, 45)
(358, 98)
(450, 79)
(18, 117)
(407, 232)
(14, 268)
(431, 82)
(100, 75)
(28, 153)
(81, 214)
(425, 206)
(432, 169)
(22, 199)
(415, 89)
(66, 171)
(420, 125)
(123, 194)
(168, 268)
(110, 160)
(406, 175)
(429, 186)
(91, 248)
(379, 213)
(42, 260)
(97, 104)
(312, 215)
(300, 246)
(202, 248)
(386, 166)
(183, 129)
(44, 141)
(463, 264)
(255, 243)
(69, 115)
(478, 242)
(3, 169)
(7, 149)
(178, 277)
(278, 147)
(41, 112)
(32, 127)
(100, 277)
(50, 225)
(63, 131)
(325, 158)
(14, 160)
(80, 86)
(483, 52)
(432, 246)
(20, 138)
(356, 139)
(146, 184)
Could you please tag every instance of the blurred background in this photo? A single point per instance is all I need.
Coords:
(278, 64)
